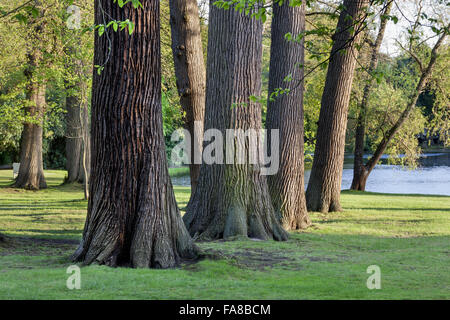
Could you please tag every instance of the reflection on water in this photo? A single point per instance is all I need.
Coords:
(432, 177)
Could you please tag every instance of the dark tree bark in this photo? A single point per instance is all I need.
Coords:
(359, 170)
(285, 113)
(190, 73)
(31, 171)
(323, 192)
(133, 219)
(426, 73)
(232, 199)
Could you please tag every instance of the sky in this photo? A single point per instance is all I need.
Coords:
(406, 10)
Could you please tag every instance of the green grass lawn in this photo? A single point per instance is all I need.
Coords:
(407, 236)
(179, 172)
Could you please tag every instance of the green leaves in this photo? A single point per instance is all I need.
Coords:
(136, 3)
(256, 99)
(130, 26)
(21, 18)
(288, 78)
(389, 17)
(261, 14)
(26, 13)
(33, 11)
(288, 36)
(115, 25)
(101, 29)
(254, 8)
(222, 4)
(378, 75)
(295, 3)
(277, 92)
(99, 68)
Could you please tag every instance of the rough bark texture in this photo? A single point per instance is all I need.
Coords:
(77, 138)
(232, 199)
(31, 171)
(133, 219)
(359, 170)
(366, 169)
(190, 73)
(323, 192)
(287, 187)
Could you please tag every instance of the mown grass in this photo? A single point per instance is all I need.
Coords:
(407, 236)
(179, 172)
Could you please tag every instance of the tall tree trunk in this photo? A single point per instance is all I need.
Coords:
(31, 171)
(191, 75)
(424, 77)
(232, 199)
(323, 192)
(77, 122)
(74, 137)
(285, 113)
(78, 137)
(359, 170)
(133, 219)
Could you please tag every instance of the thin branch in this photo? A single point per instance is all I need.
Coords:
(413, 55)
(333, 14)
(16, 9)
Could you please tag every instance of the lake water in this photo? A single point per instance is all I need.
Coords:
(431, 177)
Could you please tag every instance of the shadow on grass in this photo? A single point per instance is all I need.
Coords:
(370, 221)
(302, 251)
(30, 214)
(51, 183)
(58, 205)
(52, 232)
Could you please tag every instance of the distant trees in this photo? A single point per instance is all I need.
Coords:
(36, 105)
(362, 170)
(324, 188)
(133, 218)
(77, 127)
(359, 176)
(285, 113)
(190, 73)
(425, 74)
(77, 88)
(232, 199)
(31, 171)
(74, 138)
